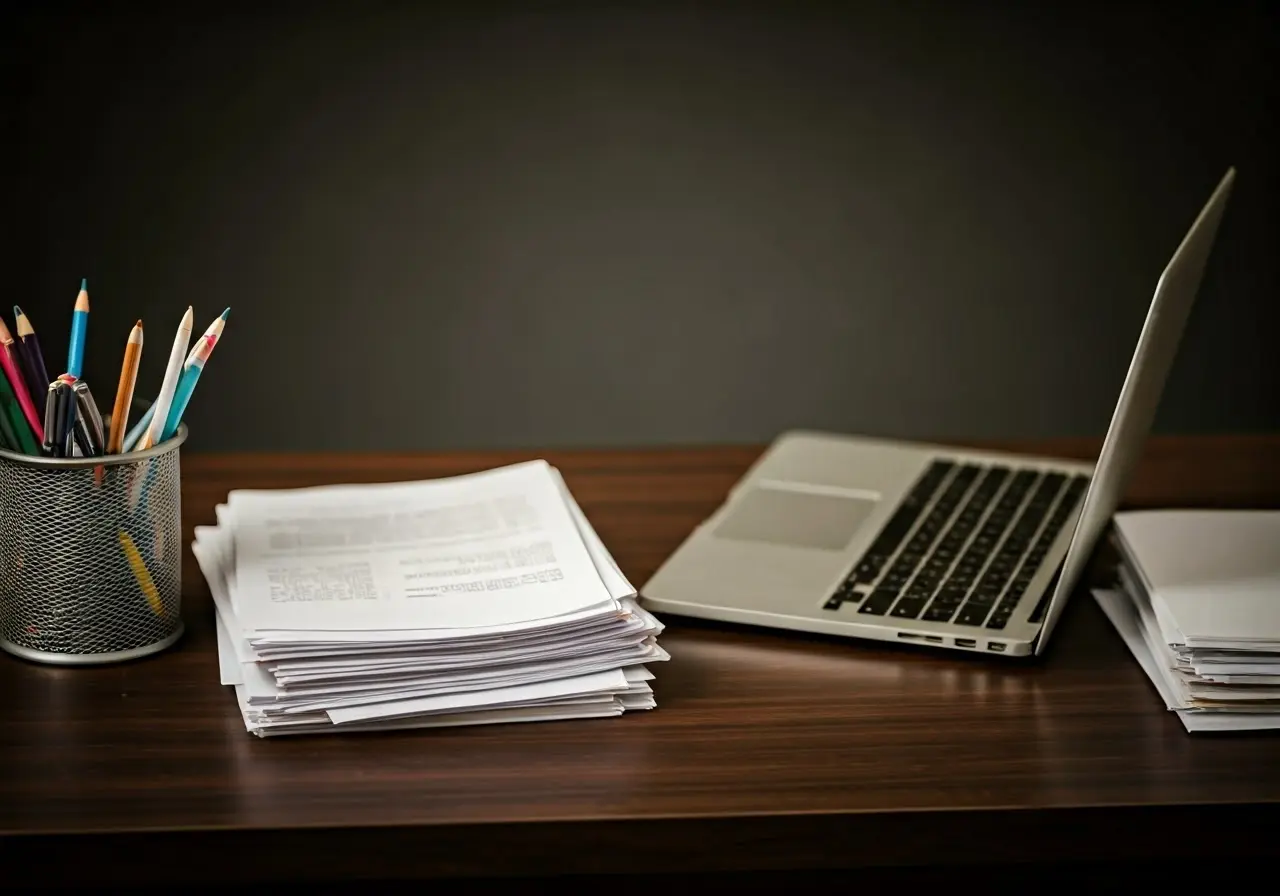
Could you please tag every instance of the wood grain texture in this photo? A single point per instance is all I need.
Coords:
(768, 750)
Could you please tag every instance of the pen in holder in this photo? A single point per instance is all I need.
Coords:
(91, 555)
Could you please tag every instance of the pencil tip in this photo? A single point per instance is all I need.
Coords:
(17, 312)
(225, 313)
(84, 284)
(138, 325)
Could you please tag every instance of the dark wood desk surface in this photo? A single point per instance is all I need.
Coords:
(767, 751)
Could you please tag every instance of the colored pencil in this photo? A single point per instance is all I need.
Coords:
(214, 329)
(187, 385)
(79, 330)
(25, 442)
(169, 385)
(32, 358)
(124, 391)
(141, 574)
(135, 434)
(10, 361)
(7, 432)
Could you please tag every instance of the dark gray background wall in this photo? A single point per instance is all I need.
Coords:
(598, 224)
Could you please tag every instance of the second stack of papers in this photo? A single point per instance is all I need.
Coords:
(1198, 605)
(473, 600)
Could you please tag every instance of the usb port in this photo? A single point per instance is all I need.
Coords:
(966, 642)
(933, 638)
(996, 646)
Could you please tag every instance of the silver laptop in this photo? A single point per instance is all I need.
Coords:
(942, 546)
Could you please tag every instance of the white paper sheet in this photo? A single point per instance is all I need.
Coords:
(493, 548)
(1213, 576)
(609, 684)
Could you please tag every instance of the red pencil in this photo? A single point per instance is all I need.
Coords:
(11, 362)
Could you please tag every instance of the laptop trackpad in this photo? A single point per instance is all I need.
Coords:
(796, 519)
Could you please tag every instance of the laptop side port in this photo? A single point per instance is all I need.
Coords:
(966, 642)
(995, 647)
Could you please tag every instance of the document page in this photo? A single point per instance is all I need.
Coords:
(488, 549)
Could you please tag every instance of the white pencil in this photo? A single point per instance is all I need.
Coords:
(170, 384)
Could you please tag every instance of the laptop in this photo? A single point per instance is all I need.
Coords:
(930, 544)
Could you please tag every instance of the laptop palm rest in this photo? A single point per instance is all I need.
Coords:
(794, 518)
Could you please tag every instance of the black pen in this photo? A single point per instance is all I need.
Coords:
(67, 416)
(89, 431)
(54, 411)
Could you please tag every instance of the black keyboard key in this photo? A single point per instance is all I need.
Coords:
(1001, 614)
(1075, 488)
(944, 604)
(909, 607)
(908, 560)
(894, 581)
(878, 602)
(833, 603)
(996, 477)
(990, 586)
(937, 472)
(869, 567)
(972, 615)
(939, 612)
(1053, 482)
(1019, 485)
(951, 597)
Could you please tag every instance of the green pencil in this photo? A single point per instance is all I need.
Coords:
(24, 439)
(7, 435)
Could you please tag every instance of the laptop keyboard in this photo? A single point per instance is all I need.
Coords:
(963, 546)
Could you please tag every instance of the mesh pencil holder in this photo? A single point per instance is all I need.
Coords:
(91, 555)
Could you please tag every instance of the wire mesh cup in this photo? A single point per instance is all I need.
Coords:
(91, 549)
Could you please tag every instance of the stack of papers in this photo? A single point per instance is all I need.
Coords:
(1198, 604)
(474, 600)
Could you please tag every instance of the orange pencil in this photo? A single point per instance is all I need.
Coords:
(124, 392)
(10, 361)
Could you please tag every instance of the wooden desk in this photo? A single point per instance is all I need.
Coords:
(767, 751)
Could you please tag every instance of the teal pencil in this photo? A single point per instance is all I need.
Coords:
(131, 440)
(187, 385)
(79, 330)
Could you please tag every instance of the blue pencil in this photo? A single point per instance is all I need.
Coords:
(131, 439)
(79, 329)
(187, 385)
